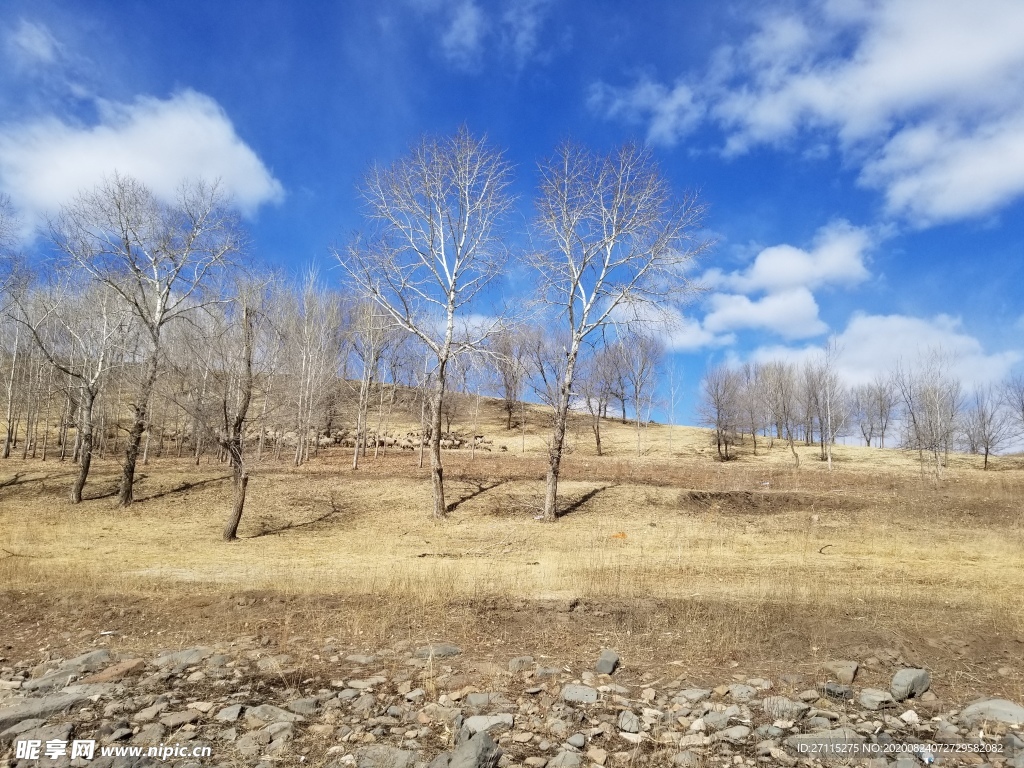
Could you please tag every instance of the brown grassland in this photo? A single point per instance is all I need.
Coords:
(690, 567)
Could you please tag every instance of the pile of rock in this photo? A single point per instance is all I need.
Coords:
(406, 707)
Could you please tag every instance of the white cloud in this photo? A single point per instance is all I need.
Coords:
(926, 96)
(876, 344)
(672, 113)
(792, 313)
(522, 21)
(32, 44)
(462, 41)
(836, 258)
(44, 163)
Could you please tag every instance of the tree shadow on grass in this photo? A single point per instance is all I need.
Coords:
(478, 489)
(575, 504)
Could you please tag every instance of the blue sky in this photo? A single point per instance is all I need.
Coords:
(863, 161)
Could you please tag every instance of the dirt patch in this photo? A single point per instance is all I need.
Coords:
(772, 502)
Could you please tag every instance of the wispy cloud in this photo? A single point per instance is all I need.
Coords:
(31, 44)
(925, 96)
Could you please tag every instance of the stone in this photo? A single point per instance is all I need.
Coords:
(87, 662)
(520, 663)
(229, 714)
(268, 713)
(186, 658)
(781, 708)
(25, 725)
(150, 735)
(607, 662)
(844, 671)
(490, 723)
(693, 695)
(992, 710)
(438, 651)
(740, 692)
(735, 735)
(480, 751)
(116, 672)
(579, 694)
(178, 719)
(360, 659)
(383, 756)
(687, 759)
(874, 699)
(908, 683)
(44, 707)
(303, 706)
(150, 713)
(565, 759)
(838, 692)
(628, 722)
(597, 755)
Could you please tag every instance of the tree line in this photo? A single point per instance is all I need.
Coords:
(149, 328)
(919, 405)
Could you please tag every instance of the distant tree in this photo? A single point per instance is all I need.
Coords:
(618, 243)
(932, 402)
(721, 406)
(438, 213)
(158, 257)
(987, 425)
(641, 355)
(752, 400)
(1013, 398)
(508, 356)
(781, 389)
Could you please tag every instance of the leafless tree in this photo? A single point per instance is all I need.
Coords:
(78, 328)
(1013, 398)
(721, 406)
(438, 214)
(641, 355)
(872, 406)
(508, 354)
(932, 401)
(987, 423)
(618, 247)
(781, 388)
(597, 377)
(752, 400)
(157, 257)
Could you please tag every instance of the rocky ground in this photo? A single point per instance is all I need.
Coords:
(407, 706)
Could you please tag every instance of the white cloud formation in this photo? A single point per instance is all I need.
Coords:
(876, 344)
(44, 163)
(522, 23)
(792, 313)
(836, 258)
(31, 44)
(926, 96)
(462, 41)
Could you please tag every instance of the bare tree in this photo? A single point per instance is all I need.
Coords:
(641, 355)
(78, 329)
(1013, 398)
(781, 390)
(597, 376)
(508, 353)
(619, 245)
(987, 423)
(721, 406)
(157, 257)
(752, 400)
(932, 401)
(438, 213)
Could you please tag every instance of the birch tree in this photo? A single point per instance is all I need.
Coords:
(618, 244)
(437, 214)
(157, 257)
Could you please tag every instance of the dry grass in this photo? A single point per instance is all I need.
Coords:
(678, 556)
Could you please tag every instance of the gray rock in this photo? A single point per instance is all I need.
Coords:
(477, 752)
(687, 759)
(383, 756)
(874, 699)
(441, 761)
(303, 706)
(837, 691)
(693, 695)
(908, 683)
(607, 662)
(565, 759)
(520, 663)
(438, 651)
(580, 694)
(87, 662)
(995, 710)
(356, 658)
(781, 708)
(12, 733)
(268, 713)
(178, 719)
(577, 740)
(629, 722)
(740, 692)
(735, 735)
(43, 708)
(844, 671)
(150, 735)
(186, 658)
(229, 714)
(489, 723)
